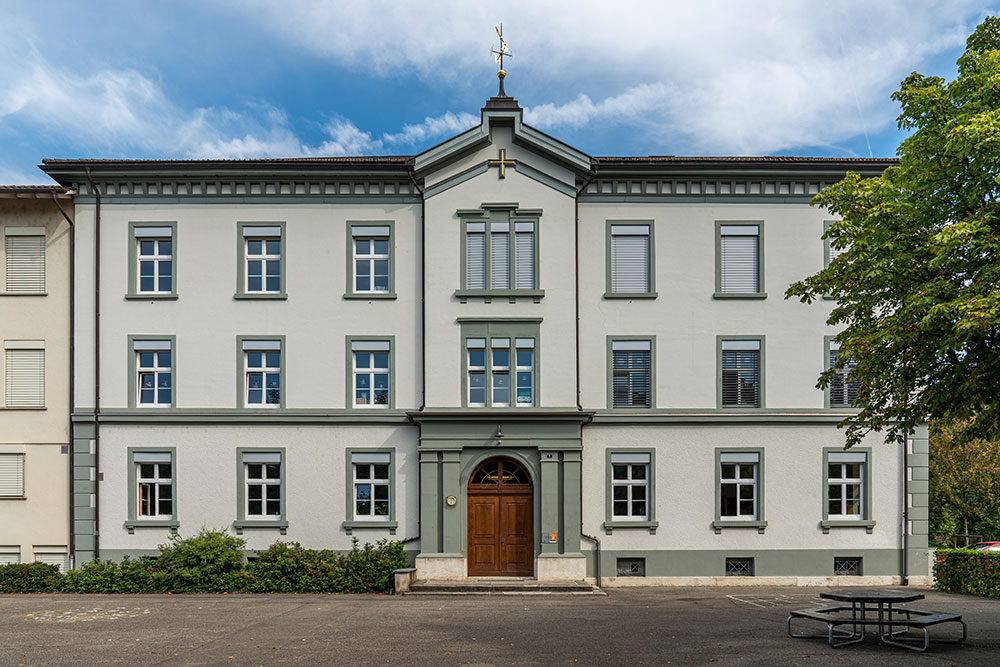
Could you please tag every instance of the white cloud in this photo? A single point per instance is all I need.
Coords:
(715, 76)
(433, 128)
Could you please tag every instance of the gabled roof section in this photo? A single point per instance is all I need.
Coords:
(502, 111)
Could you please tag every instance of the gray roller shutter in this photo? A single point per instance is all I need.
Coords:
(630, 259)
(11, 475)
(740, 270)
(25, 264)
(499, 260)
(524, 248)
(475, 258)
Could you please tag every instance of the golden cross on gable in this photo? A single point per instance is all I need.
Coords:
(501, 162)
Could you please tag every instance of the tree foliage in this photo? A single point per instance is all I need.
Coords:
(917, 286)
(964, 484)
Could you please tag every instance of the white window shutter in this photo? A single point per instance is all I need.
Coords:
(10, 556)
(25, 378)
(53, 558)
(500, 260)
(475, 261)
(25, 264)
(630, 263)
(11, 475)
(524, 246)
(740, 272)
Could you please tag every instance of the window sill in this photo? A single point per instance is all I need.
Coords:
(867, 524)
(349, 526)
(611, 525)
(374, 296)
(243, 296)
(13, 497)
(23, 407)
(488, 295)
(151, 297)
(718, 525)
(131, 525)
(630, 295)
(740, 295)
(242, 524)
(24, 293)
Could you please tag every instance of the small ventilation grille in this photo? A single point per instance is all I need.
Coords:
(848, 567)
(631, 567)
(739, 567)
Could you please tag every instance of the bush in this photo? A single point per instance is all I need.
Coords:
(968, 572)
(212, 561)
(29, 578)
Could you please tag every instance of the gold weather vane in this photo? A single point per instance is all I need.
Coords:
(499, 55)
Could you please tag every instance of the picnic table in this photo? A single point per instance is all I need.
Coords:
(878, 608)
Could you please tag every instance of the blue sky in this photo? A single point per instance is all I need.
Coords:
(241, 79)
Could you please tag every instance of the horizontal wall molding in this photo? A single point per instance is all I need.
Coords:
(243, 416)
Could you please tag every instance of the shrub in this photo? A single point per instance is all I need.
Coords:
(198, 563)
(968, 572)
(129, 576)
(29, 578)
(369, 569)
(288, 568)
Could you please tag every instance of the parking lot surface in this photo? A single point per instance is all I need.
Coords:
(639, 626)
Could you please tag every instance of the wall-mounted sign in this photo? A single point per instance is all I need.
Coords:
(550, 538)
(451, 500)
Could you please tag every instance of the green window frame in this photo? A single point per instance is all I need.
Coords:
(737, 456)
(254, 455)
(150, 342)
(369, 344)
(830, 345)
(155, 455)
(629, 343)
(370, 456)
(720, 227)
(838, 455)
(629, 458)
(501, 218)
(720, 343)
(370, 229)
(246, 344)
(629, 228)
(486, 330)
(158, 231)
(261, 230)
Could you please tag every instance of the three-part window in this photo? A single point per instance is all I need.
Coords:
(501, 372)
(500, 255)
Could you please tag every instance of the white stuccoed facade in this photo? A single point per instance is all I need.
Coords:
(561, 447)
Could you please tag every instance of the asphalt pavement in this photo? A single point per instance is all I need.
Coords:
(639, 626)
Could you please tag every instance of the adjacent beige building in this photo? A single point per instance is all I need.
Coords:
(35, 266)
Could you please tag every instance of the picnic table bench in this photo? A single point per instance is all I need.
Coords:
(893, 623)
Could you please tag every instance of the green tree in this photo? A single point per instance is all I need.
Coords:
(917, 286)
(964, 484)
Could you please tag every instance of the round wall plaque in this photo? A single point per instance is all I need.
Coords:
(451, 500)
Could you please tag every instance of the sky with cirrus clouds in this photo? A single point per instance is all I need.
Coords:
(237, 79)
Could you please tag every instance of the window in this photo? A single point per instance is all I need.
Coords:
(630, 260)
(630, 501)
(24, 373)
(152, 499)
(262, 260)
(153, 361)
(10, 554)
(262, 372)
(11, 475)
(739, 260)
(53, 556)
(739, 477)
(843, 389)
(152, 269)
(371, 479)
(492, 369)
(739, 567)
(498, 260)
(741, 382)
(25, 251)
(261, 489)
(631, 373)
(845, 480)
(371, 377)
(630, 486)
(370, 266)
(828, 243)
(631, 567)
(847, 566)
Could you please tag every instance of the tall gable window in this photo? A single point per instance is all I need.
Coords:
(25, 260)
(739, 260)
(630, 260)
(499, 252)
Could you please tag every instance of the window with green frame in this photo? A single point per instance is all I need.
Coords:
(499, 252)
(499, 364)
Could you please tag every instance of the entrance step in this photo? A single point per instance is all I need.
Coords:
(501, 587)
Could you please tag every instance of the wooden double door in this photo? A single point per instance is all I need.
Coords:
(500, 516)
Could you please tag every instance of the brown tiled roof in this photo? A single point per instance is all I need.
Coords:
(32, 191)
(364, 159)
(760, 162)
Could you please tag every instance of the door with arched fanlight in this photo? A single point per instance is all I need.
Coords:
(500, 520)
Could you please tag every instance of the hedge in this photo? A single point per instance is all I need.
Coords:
(212, 562)
(968, 572)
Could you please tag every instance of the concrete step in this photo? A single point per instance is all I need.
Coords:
(501, 587)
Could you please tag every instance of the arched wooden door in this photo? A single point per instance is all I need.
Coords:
(500, 520)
